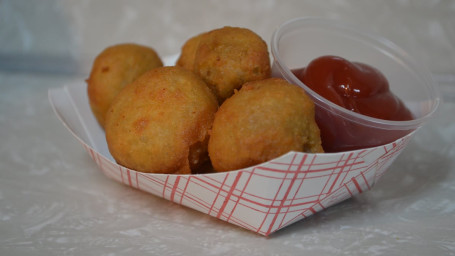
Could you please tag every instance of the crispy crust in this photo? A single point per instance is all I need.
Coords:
(160, 122)
(226, 58)
(262, 121)
(188, 53)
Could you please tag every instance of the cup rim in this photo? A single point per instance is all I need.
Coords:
(385, 44)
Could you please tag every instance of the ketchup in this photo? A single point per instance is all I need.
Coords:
(355, 86)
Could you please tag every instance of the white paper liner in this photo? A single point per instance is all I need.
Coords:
(262, 198)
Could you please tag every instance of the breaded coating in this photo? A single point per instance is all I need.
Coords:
(160, 123)
(263, 120)
(186, 58)
(113, 69)
(226, 58)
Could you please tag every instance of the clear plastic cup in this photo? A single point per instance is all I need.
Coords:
(299, 41)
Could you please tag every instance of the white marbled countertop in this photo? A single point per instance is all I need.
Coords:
(54, 201)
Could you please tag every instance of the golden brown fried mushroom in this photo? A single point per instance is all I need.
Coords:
(113, 69)
(226, 58)
(262, 121)
(160, 122)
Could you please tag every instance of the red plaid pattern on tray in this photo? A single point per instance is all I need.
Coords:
(269, 196)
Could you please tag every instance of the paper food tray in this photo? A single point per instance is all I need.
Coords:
(263, 198)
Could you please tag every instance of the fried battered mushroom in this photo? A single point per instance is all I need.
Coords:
(160, 123)
(262, 121)
(226, 58)
(114, 68)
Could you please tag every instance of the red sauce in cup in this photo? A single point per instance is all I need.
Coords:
(355, 86)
